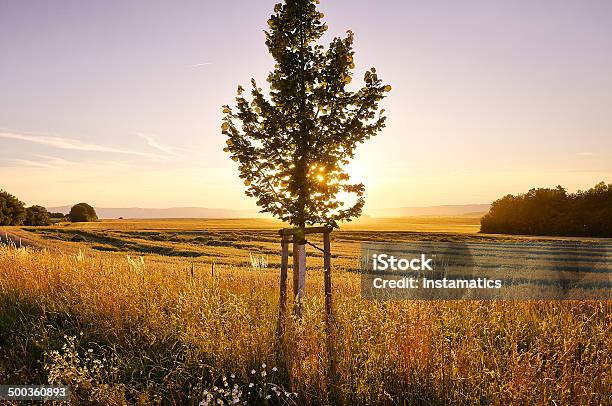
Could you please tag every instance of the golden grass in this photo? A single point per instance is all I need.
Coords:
(449, 224)
(170, 334)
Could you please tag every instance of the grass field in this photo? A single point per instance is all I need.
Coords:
(159, 311)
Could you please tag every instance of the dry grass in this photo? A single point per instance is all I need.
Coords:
(164, 328)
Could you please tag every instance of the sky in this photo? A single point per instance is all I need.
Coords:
(119, 103)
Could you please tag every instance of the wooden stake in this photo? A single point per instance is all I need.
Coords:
(300, 276)
(327, 277)
(296, 265)
(329, 318)
(283, 285)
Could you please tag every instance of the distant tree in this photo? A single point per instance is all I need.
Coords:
(82, 212)
(37, 216)
(12, 210)
(553, 212)
(57, 215)
(293, 147)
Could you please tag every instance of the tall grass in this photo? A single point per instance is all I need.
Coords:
(144, 330)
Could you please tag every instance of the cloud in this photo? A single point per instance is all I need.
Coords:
(55, 161)
(25, 162)
(72, 144)
(161, 147)
(199, 65)
(585, 154)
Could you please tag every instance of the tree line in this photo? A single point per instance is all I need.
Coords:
(13, 212)
(545, 211)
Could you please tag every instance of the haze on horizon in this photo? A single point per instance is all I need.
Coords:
(119, 103)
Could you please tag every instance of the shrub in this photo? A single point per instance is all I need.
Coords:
(37, 216)
(12, 210)
(82, 212)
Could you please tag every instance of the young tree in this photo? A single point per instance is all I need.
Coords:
(293, 146)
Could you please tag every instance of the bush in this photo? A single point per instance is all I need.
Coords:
(37, 216)
(82, 212)
(12, 210)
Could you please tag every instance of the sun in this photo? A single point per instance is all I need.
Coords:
(355, 171)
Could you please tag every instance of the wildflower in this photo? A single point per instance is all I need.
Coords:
(263, 365)
(274, 369)
(252, 372)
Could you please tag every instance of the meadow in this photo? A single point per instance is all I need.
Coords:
(169, 311)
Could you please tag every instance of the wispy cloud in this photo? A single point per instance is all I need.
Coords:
(72, 144)
(55, 161)
(199, 65)
(159, 146)
(585, 154)
(26, 162)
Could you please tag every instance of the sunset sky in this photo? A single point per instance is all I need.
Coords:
(118, 103)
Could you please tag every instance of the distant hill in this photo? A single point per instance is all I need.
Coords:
(443, 210)
(172, 212)
(474, 210)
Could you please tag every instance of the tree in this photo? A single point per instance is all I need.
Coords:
(57, 215)
(545, 211)
(37, 216)
(293, 146)
(12, 210)
(82, 212)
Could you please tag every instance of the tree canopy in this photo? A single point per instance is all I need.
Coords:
(293, 145)
(37, 216)
(553, 212)
(82, 212)
(12, 210)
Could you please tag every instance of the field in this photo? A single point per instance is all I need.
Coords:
(160, 311)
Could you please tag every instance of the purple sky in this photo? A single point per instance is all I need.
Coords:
(118, 102)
